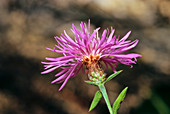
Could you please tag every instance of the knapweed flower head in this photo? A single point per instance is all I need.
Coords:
(90, 50)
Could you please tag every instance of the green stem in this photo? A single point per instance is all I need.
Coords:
(103, 90)
(159, 104)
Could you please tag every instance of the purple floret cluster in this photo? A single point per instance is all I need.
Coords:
(108, 49)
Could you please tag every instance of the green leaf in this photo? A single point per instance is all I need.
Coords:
(112, 76)
(89, 82)
(119, 100)
(96, 100)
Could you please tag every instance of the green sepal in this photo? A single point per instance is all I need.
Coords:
(112, 76)
(96, 100)
(119, 100)
(89, 82)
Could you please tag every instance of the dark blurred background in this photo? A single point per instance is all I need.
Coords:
(27, 27)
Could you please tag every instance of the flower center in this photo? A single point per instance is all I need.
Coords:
(93, 68)
(91, 60)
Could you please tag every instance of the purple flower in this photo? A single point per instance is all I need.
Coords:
(88, 49)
